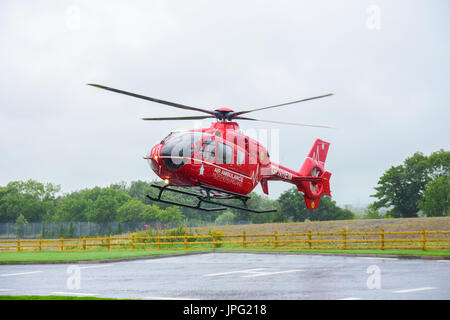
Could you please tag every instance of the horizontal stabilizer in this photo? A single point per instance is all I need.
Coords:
(265, 186)
(326, 183)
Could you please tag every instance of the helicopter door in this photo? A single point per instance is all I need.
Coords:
(224, 154)
(203, 157)
(207, 150)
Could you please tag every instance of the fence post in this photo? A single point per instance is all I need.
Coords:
(244, 240)
(84, 243)
(214, 241)
(275, 239)
(18, 244)
(344, 238)
(108, 243)
(382, 239)
(309, 239)
(159, 242)
(132, 242)
(40, 243)
(185, 241)
(62, 244)
(424, 239)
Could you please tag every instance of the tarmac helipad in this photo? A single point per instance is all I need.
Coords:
(222, 276)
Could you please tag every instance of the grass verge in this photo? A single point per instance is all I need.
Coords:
(51, 298)
(57, 256)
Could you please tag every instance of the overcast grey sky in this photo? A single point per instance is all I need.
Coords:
(387, 62)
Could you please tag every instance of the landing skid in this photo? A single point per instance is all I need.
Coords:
(206, 199)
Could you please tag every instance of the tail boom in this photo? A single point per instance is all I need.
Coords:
(312, 180)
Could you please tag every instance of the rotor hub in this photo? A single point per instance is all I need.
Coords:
(222, 114)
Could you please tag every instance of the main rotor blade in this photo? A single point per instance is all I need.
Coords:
(172, 104)
(290, 123)
(179, 118)
(235, 114)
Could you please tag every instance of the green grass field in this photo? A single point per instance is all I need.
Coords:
(357, 225)
(55, 256)
(199, 245)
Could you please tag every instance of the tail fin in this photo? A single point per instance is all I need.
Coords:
(314, 181)
(316, 157)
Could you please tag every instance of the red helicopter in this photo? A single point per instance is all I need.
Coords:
(220, 162)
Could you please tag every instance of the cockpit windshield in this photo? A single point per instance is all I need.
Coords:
(187, 141)
(178, 147)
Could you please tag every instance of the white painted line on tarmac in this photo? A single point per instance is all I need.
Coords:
(19, 273)
(99, 266)
(233, 272)
(73, 293)
(414, 290)
(6, 290)
(163, 260)
(377, 258)
(444, 261)
(260, 274)
(350, 298)
(168, 298)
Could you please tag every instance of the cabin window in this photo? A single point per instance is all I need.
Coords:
(240, 157)
(224, 153)
(207, 150)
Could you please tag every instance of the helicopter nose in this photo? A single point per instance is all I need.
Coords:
(172, 156)
(154, 157)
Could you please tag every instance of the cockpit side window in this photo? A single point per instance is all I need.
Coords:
(240, 157)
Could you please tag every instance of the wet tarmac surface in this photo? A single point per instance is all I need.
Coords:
(236, 276)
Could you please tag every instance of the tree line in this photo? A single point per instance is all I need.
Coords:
(34, 201)
(418, 187)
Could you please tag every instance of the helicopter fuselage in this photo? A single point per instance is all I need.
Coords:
(221, 157)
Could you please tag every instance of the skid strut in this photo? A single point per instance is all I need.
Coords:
(205, 199)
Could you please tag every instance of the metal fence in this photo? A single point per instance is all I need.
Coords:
(48, 230)
(381, 240)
